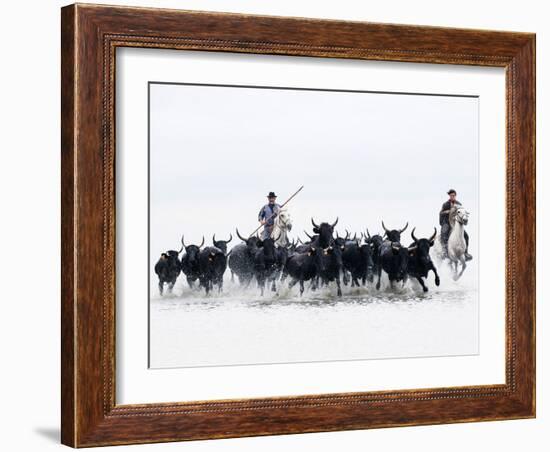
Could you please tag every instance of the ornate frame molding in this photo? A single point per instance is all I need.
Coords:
(90, 36)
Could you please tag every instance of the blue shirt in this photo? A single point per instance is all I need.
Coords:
(267, 211)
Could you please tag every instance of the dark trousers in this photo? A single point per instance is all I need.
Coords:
(446, 232)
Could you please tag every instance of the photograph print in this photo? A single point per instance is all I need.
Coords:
(295, 225)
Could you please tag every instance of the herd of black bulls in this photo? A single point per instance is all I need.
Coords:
(323, 259)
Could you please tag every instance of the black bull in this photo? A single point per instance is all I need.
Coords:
(420, 263)
(190, 262)
(168, 269)
(241, 260)
(304, 266)
(358, 261)
(331, 255)
(269, 261)
(212, 265)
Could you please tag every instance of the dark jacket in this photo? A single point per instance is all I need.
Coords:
(444, 213)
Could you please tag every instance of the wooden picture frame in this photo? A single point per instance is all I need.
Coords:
(90, 35)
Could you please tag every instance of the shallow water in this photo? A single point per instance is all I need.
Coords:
(188, 329)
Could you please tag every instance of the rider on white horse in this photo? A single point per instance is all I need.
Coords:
(267, 215)
(444, 221)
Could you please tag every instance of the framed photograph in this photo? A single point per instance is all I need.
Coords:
(280, 225)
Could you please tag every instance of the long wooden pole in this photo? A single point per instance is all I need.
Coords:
(275, 214)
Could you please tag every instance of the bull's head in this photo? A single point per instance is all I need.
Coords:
(251, 242)
(421, 247)
(340, 242)
(221, 244)
(325, 231)
(375, 241)
(172, 254)
(192, 251)
(394, 235)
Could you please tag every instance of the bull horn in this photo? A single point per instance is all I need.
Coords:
(337, 235)
(214, 240)
(239, 235)
(432, 238)
(354, 237)
(202, 243)
(403, 230)
(411, 248)
(300, 241)
(347, 234)
(182, 242)
(230, 238)
(335, 223)
(182, 245)
(385, 228)
(368, 233)
(412, 235)
(314, 224)
(310, 237)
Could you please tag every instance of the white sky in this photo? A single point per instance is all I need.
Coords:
(215, 152)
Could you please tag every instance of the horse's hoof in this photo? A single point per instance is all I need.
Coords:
(437, 281)
(425, 289)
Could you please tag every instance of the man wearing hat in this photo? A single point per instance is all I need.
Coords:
(445, 224)
(267, 215)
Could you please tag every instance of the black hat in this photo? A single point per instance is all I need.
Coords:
(452, 190)
(271, 195)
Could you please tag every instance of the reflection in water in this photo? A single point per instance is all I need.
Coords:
(240, 327)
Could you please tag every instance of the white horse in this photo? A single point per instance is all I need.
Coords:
(456, 245)
(281, 225)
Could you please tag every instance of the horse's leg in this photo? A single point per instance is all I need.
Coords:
(161, 287)
(232, 277)
(379, 276)
(292, 283)
(463, 262)
(171, 286)
(301, 287)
